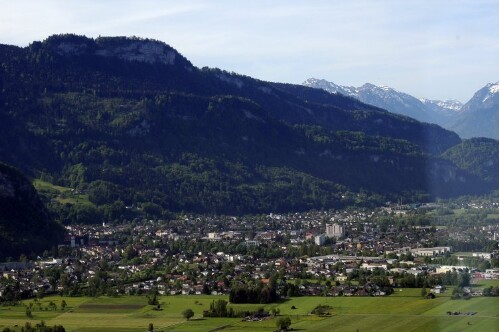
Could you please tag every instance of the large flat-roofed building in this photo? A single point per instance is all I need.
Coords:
(451, 268)
(435, 251)
(484, 255)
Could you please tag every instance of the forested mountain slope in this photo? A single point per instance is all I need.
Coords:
(133, 122)
(25, 224)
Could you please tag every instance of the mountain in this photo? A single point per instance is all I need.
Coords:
(332, 87)
(391, 99)
(477, 155)
(479, 117)
(131, 122)
(447, 109)
(25, 224)
(431, 111)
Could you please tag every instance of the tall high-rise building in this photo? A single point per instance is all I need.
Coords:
(334, 230)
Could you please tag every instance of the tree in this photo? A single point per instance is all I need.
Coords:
(150, 328)
(63, 304)
(322, 310)
(423, 291)
(152, 209)
(463, 279)
(283, 323)
(188, 313)
(152, 299)
(52, 306)
(29, 314)
(41, 293)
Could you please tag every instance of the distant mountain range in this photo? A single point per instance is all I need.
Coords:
(131, 121)
(478, 117)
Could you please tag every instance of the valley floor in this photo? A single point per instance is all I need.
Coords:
(403, 311)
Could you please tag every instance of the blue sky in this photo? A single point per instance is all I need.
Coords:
(433, 49)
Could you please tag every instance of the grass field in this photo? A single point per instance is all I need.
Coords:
(63, 195)
(485, 282)
(403, 311)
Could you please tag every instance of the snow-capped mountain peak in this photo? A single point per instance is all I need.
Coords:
(488, 96)
(492, 88)
(377, 87)
(331, 87)
(449, 105)
(478, 117)
(390, 99)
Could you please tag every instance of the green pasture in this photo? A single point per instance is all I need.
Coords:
(63, 195)
(403, 311)
(485, 282)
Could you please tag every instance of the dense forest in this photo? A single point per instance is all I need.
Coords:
(129, 122)
(25, 224)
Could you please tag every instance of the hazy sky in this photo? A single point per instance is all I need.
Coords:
(432, 49)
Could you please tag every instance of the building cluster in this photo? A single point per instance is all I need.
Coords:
(210, 254)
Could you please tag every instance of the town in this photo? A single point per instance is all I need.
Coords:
(355, 252)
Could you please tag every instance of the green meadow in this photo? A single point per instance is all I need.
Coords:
(403, 311)
(485, 283)
(63, 195)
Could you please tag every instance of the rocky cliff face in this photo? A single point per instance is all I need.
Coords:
(142, 51)
(130, 49)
